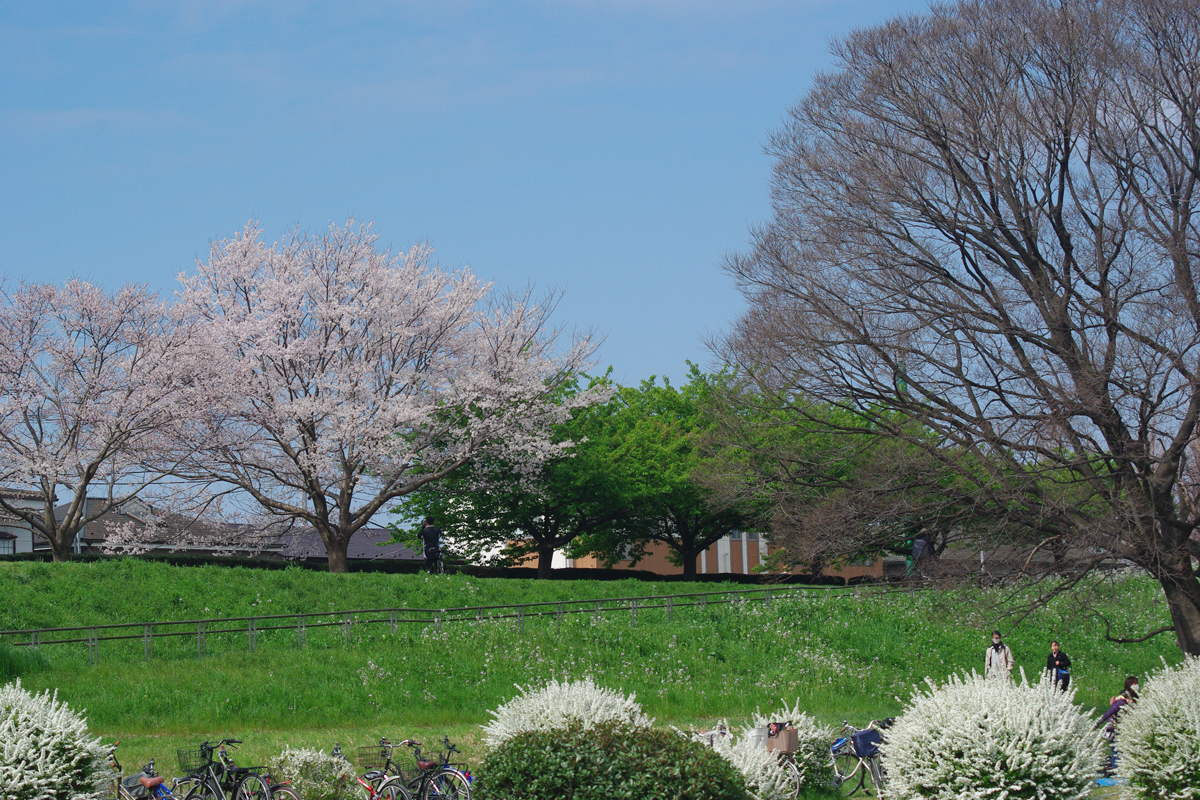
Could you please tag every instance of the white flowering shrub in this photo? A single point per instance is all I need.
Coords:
(812, 743)
(555, 706)
(45, 750)
(765, 776)
(313, 774)
(1159, 736)
(979, 738)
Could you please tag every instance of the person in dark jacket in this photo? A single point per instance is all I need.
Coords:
(1058, 664)
(431, 537)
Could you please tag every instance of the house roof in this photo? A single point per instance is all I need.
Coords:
(369, 544)
(20, 494)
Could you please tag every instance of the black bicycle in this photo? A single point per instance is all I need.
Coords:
(220, 779)
(437, 779)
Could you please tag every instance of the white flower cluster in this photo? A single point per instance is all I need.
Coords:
(45, 750)
(980, 738)
(313, 774)
(812, 743)
(766, 777)
(1159, 735)
(560, 705)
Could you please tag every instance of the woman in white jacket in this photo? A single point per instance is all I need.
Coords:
(998, 659)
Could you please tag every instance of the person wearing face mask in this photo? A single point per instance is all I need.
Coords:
(1058, 664)
(998, 661)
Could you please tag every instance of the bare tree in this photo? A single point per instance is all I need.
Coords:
(984, 245)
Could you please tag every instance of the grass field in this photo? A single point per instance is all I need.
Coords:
(846, 657)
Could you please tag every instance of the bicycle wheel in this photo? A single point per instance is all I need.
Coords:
(849, 774)
(284, 793)
(793, 773)
(393, 789)
(252, 787)
(201, 791)
(448, 784)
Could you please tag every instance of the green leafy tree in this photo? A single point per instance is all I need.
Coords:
(658, 433)
(492, 510)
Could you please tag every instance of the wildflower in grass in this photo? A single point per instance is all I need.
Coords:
(973, 738)
(1159, 736)
(581, 704)
(313, 774)
(45, 750)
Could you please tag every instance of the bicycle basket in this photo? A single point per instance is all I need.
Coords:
(193, 759)
(866, 743)
(374, 757)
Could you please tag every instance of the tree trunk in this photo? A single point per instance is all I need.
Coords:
(689, 563)
(335, 548)
(545, 559)
(1183, 599)
(60, 551)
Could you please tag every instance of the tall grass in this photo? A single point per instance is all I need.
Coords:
(15, 662)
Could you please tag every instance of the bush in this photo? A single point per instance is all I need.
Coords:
(980, 738)
(1159, 735)
(812, 752)
(606, 761)
(16, 661)
(45, 750)
(555, 706)
(313, 774)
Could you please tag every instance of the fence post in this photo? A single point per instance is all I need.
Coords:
(598, 615)
(251, 633)
(766, 597)
(92, 646)
(392, 617)
(559, 615)
(148, 640)
(670, 606)
(437, 621)
(35, 640)
(299, 631)
(201, 639)
(521, 618)
(349, 629)
(633, 611)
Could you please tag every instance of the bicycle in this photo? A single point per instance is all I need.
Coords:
(146, 784)
(438, 779)
(383, 779)
(221, 779)
(855, 757)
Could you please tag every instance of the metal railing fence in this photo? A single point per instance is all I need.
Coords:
(251, 627)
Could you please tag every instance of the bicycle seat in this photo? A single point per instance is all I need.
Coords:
(150, 783)
(427, 764)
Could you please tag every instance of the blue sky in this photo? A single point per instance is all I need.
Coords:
(610, 149)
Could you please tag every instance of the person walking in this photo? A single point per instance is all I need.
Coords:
(998, 659)
(431, 537)
(1058, 664)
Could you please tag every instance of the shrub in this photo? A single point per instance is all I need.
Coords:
(45, 750)
(980, 738)
(812, 751)
(556, 706)
(605, 761)
(1159, 735)
(314, 775)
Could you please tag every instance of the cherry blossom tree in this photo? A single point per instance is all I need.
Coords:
(93, 387)
(347, 376)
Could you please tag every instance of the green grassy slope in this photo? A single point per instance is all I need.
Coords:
(844, 657)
